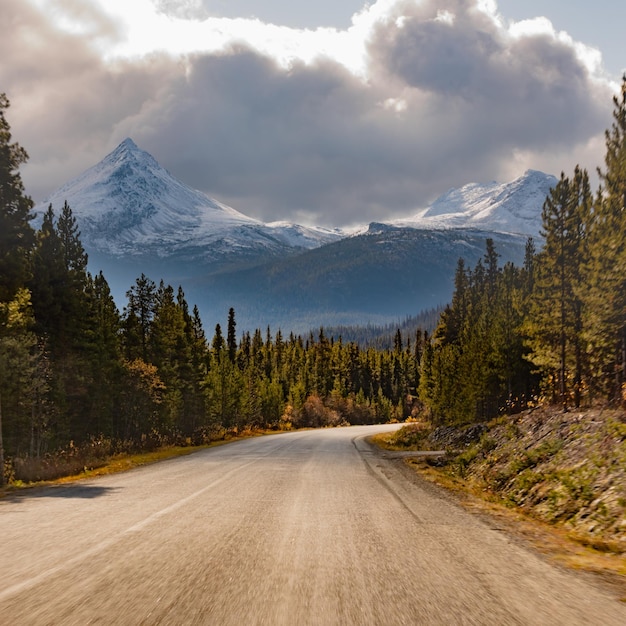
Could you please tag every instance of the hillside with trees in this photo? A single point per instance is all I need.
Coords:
(79, 377)
(553, 330)
(77, 374)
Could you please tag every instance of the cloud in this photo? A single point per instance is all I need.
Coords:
(183, 9)
(448, 94)
(66, 102)
(528, 89)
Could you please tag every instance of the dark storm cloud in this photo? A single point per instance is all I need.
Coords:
(307, 139)
(446, 101)
(529, 89)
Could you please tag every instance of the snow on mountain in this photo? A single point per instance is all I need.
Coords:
(129, 205)
(308, 237)
(135, 217)
(513, 207)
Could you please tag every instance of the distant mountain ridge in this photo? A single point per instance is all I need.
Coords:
(513, 207)
(135, 218)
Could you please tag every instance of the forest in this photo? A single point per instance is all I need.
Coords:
(77, 374)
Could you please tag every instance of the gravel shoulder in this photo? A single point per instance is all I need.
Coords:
(555, 479)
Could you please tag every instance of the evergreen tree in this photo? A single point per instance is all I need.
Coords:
(105, 359)
(75, 257)
(138, 317)
(195, 370)
(16, 234)
(48, 277)
(21, 379)
(554, 325)
(217, 344)
(170, 351)
(59, 286)
(605, 310)
(231, 336)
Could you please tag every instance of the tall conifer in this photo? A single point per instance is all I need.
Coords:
(606, 267)
(16, 234)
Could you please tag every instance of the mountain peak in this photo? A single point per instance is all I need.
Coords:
(124, 149)
(530, 173)
(127, 204)
(513, 207)
(128, 151)
(129, 144)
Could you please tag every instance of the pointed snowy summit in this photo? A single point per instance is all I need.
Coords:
(127, 204)
(127, 201)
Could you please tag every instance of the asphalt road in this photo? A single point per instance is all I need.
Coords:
(301, 528)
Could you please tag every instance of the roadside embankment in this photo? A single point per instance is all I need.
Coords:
(567, 470)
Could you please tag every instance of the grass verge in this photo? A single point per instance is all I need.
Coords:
(125, 462)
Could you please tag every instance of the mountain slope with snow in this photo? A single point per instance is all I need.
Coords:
(128, 205)
(136, 218)
(513, 207)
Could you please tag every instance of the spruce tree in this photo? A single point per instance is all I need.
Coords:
(16, 234)
(19, 375)
(554, 325)
(605, 300)
(104, 357)
(231, 336)
(138, 315)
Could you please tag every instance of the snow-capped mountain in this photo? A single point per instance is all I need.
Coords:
(128, 205)
(136, 218)
(513, 207)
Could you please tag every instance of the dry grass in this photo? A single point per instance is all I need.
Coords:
(125, 462)
(413, 436)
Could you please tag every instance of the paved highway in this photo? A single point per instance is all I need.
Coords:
(300, 528)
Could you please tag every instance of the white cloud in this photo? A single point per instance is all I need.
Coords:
(182, 28)
(446, 17)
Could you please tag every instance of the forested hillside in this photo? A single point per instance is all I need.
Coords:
(553, 330)
(76, 372)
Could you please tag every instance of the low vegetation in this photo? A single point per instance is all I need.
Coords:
(565, 469)
(98, 458)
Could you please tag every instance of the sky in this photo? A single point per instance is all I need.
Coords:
(332, 113)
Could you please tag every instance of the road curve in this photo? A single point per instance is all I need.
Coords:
(300, 528)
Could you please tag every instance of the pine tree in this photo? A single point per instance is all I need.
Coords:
(59, 286)
(20, 377)
(195, 370)
(48, 277)
(217, 344)
(59, 278)
(605, 300)
(170, 351)
(231, 336)
(554, 325)
(492, 269)
(104, 357)
(16, 234)
(138, 315)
